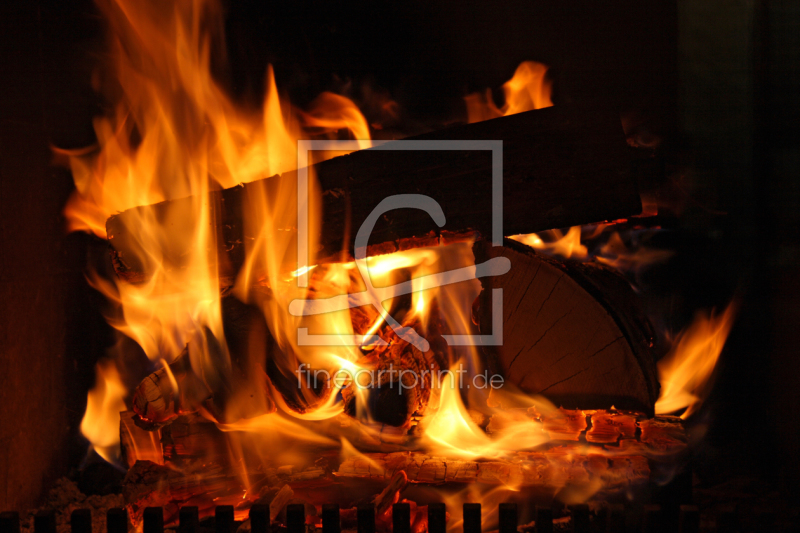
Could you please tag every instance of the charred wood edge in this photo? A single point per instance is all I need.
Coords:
(609, 288)
(563, 166)
(657, 443)
(193, 438)
(386, 404)
(651, 443)
(521, 469)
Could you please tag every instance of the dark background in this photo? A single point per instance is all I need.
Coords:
(713, 83)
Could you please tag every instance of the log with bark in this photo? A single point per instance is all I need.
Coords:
(562, 166)
(572, 332)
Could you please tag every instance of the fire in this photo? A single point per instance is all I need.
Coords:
(100, 424)
(528, 89)
(685, 373)
(174, 134)
(567, 245)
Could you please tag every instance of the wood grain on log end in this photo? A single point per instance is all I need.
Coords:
(572, 332)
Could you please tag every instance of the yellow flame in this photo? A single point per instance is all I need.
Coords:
(567, 245)
(685, 373)
(100, 423)
(174, 133)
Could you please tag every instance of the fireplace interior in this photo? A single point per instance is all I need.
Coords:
(644, 281)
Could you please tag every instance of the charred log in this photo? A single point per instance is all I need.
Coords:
(234, 386)
(615, 450)
(402, 378)
(555, 469)
(561, 166)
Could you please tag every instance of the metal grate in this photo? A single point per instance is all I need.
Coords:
(614, 518)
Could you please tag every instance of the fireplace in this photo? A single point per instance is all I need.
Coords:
(248, 328)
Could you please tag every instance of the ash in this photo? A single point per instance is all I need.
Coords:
(64, 498)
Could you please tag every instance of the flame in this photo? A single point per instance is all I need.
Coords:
(173, 133)
(567, 245)
(451, 431)
(100, 423)
(528, 89)
(685, 373)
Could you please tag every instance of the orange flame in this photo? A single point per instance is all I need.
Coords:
(685, 373)
(528, 89)
(174, 134)
(100, 424)
(567, 245)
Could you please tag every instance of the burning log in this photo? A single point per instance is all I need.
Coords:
(156, 401)
(561, 167)
(206, 486)
(572, 332)
(611, 451)
(192, 439)
(618, 431)
(554, 468)
(150, 485)
(404, 376)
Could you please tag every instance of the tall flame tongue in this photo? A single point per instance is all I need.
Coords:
(173, 133)
(100, 424)
(685, 373)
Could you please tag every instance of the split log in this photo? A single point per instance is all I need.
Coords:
(572, 332)
(562, 166)
(230, 388)
(137, 443)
